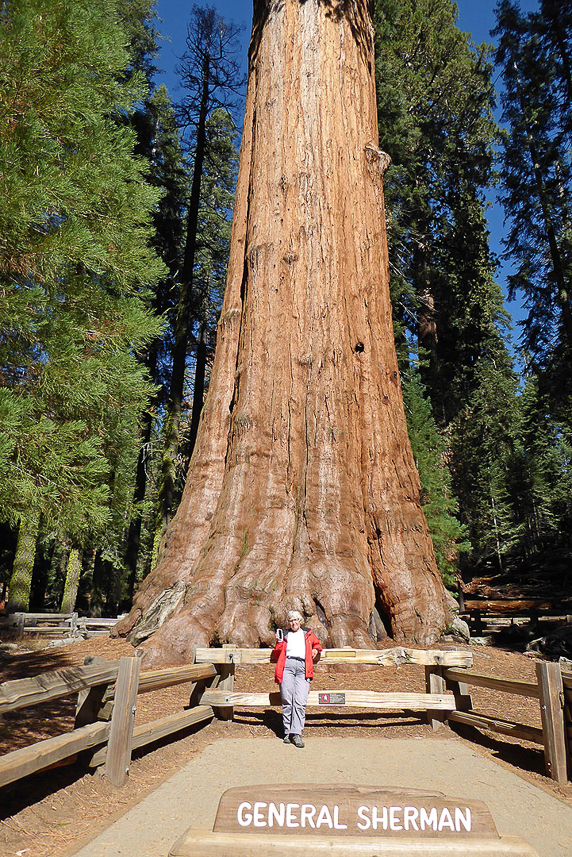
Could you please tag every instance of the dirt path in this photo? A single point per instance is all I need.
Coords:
(190, 798)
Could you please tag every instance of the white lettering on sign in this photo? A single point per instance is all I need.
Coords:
(291, 819)
(244, 818)
(324, 817)
(307, 813)
(463, 818)
(276, 814)
(427, 819)
(257, 816)
(395, 818)
(412, 818)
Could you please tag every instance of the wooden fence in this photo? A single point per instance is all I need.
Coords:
(107, 695)
(489, 615)
(105, 712)
(447, 698)
(67, 624)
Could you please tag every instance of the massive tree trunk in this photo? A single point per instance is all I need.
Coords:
(302, 490)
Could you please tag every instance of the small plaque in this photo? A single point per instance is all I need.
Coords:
(332, 698)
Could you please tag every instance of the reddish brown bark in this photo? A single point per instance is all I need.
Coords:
(302, 490)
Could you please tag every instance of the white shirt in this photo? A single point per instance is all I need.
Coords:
(296, 644)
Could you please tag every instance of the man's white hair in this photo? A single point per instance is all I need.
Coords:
(294, 614)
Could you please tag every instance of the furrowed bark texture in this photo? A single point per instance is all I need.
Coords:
(302, 490)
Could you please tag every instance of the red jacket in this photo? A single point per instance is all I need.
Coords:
(279, 655)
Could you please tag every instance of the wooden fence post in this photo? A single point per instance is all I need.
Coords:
(552, 712)
(73, 625)
(226, 682)
(92, 703)
(460, 689)
(435, 683)
(223, 680)
(121, 734)
(20, 620)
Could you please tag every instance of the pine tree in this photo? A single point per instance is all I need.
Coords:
(211, 78)
(484, 439)
(534, 55)
(74, 263)
(435, 98)
(542, 479)
(434, 103)
(159, 139)
(213, 245)
(431, 452)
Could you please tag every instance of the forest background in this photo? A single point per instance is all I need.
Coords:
(115, 221)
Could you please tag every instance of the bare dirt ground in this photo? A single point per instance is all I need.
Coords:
(53, 813)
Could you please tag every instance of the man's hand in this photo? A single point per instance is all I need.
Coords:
(315, 654)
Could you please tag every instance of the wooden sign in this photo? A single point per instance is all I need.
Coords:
(323, 810)
(347, 821)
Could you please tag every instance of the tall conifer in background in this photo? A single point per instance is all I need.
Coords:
(534, 54)
(74, 265)
(211, 79)
(159, 140)
(435, 98)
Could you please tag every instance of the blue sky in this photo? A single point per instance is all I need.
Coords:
(475, 17)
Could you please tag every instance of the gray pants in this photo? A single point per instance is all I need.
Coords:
(294, 692)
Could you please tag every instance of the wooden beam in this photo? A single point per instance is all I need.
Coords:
(29, 760)
(494, 724)
(150, 732)
(376, 657)
(508, 606)
(506, 685)
(92, 702)
(121, 734)
(351, 699)
(23, 692)
(552, 713)
(44, 616)
(204, 843)
(157, 679)
(226, 684)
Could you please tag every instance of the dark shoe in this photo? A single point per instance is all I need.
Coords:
(297, 741)
(287, 739)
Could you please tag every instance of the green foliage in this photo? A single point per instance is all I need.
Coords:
(535, 56)
(541, 480)
(215, 211)
(439, 505)
(74, 265)
(211, 79)
(484, 438)
(434, 103)
(435, 99)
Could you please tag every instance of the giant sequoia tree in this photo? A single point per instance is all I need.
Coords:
(302, 490)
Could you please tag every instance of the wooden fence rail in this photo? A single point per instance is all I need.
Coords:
(69, 624)
(98, 714)
(548, 689)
